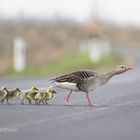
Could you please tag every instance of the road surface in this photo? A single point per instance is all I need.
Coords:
(118, 119)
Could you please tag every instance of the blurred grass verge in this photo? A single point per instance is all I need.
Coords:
(70, 62)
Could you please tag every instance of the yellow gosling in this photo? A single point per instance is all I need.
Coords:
(28, 95)
(11, 94)
(3, 93)
(50, 94)
(44, 96)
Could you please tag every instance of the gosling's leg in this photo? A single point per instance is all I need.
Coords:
(36, 102)
(7, 101)
(22, 102)
(2, 101)
(46, 102)
(43, 102)
(29, 101)
(39, 102)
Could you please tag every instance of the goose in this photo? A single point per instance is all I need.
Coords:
(86, 81)
(44, 96)
(32, 93)
(3, 93)
(40, 96)
(11, 94)
(50, 94)
(29, 95)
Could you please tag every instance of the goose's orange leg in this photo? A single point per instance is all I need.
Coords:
(67, 98)
(90, 102)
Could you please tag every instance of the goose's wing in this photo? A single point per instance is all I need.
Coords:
(75, 77)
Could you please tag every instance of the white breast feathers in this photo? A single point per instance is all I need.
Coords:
(67, 85)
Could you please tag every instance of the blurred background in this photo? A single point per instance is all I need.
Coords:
(49, 37)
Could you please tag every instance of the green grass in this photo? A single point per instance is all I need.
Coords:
(68, 63)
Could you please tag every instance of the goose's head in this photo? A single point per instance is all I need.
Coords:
(34, 89)
(3, 88)
(17, 89)
(121, 69)
(51, 90)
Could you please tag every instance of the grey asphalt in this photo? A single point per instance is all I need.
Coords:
(117, 119)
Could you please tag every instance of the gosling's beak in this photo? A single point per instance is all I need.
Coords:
(129, 68)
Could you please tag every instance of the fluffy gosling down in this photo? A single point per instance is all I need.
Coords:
(3, 93)
(10, 94)
(29, 95)
(45, 96)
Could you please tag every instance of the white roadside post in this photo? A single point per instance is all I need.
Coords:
(95, 51)
(96, 48)
(19, 52)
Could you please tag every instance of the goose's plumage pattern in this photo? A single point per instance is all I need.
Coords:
(79, 77)
(86, 80)
(75, 77)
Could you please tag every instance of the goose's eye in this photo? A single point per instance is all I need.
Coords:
(122, 66)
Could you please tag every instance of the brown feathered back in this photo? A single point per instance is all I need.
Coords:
(75, 77)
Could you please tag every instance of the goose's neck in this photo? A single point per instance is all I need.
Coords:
(106, 77)
(110, 74)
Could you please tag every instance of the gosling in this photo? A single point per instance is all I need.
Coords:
(45, 96)
(29, 95)
(11, 94)
(3, 93)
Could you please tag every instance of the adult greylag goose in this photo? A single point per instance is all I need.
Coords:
(86, 81)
